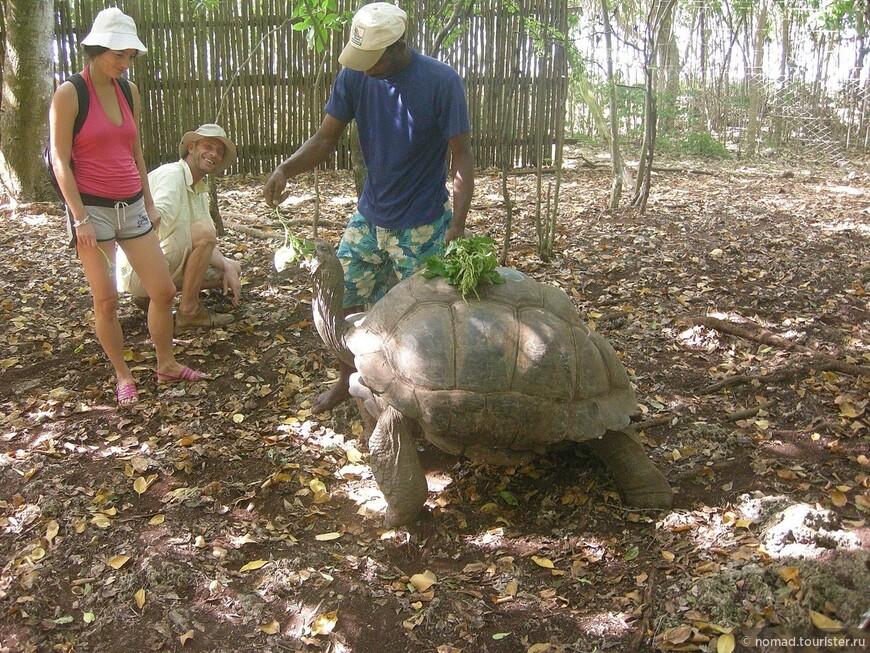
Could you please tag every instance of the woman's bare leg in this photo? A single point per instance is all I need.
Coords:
(99, 265)
(148, 262)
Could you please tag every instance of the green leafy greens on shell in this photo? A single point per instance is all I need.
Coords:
(466, 263)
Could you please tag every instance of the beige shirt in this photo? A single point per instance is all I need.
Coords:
(179, 204)
(177, 200)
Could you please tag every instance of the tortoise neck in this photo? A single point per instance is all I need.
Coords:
(327, 305)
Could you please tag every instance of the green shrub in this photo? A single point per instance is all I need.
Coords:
(703, 144)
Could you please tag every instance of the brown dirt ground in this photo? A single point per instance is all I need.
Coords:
(176, 496)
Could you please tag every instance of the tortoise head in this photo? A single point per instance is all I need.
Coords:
(327, 303)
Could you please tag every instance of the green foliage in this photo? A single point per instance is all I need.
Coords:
(833, 15)
(317, 18)
(438, 19)
(703, 144)
(542, 36)
(294, 249)
(466, 262)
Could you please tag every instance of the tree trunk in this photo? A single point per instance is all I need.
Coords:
(756, 86)
(616, 163)
(669, 73)
(645, 164)
(26, 91)
(655, 20)
(779, 124)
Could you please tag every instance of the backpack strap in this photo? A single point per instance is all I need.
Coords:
(124, 83)
(84, 101)
(85, 98)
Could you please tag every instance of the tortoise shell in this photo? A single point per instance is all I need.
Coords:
(513, 368)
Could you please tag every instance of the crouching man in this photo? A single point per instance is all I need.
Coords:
(186, 231)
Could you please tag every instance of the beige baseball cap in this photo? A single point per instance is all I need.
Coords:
(115, 30)
(375, 27)
(210, 130)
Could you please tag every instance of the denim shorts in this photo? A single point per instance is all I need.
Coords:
(119, 222)
(375, 259)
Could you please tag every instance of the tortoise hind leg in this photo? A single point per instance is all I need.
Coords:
(641, 483)
(396, 468)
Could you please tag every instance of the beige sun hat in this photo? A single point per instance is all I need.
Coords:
(210, 130)
(375, 27)
(115, 30)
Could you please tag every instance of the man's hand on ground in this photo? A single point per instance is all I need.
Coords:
(232, 272)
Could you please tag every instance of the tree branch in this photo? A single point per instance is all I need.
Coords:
(756, 333)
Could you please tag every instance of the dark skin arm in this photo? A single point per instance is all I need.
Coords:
(311, 154)
(463, 184)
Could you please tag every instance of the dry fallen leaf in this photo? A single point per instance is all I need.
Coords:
(117, 562)
(789, 574)
(546, 563)
(541, 648)
(140, 485)
(725, 643)
(822, 622)
(325, 537)
(139, 598)
(324, 623)
(424, 581)
(678, 635)
(255, 564)
(271, 628)
(51, 530)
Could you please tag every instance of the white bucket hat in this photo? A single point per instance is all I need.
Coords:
(115, 30)
(375, 27)
(210, 130)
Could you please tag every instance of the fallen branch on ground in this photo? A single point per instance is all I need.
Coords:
(651, 423)
(749, 331)
(792, 371)
(749, 412)
(265, 235)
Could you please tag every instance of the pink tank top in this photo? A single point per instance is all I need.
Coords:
(102, 152)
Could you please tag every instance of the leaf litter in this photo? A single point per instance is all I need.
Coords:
(226, 517)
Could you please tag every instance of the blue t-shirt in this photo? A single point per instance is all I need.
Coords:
(404, 122)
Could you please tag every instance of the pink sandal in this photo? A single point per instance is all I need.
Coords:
(127, 394)
(186, 374)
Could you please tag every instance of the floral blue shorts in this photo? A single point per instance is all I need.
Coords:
(375, 259)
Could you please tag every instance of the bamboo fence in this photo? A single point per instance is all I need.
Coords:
(243, 65)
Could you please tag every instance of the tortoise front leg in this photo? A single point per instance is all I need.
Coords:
(396, 468)
(641, 483)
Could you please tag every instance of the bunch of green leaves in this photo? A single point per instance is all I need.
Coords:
(294, 249)
(465, 263)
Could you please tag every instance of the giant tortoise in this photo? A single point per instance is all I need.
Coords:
(512, 369)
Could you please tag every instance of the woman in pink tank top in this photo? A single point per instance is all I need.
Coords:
(102, 175)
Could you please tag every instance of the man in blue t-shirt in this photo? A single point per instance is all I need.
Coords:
(410, 111)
